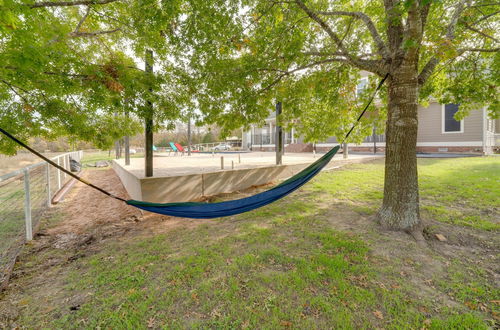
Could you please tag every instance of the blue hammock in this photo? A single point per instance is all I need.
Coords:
(198, 210)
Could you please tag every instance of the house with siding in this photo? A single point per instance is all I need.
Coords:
(438, 131)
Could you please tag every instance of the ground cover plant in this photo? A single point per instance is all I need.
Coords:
(315, 259)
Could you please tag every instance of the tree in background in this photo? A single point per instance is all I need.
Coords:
(308, 54)
(69, 68)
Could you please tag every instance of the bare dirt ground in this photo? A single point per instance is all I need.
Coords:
(91, 219)
(92, 216)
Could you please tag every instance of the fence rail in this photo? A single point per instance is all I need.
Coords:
(25, 194)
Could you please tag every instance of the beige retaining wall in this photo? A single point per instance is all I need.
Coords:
(194, 187)
(131, 183)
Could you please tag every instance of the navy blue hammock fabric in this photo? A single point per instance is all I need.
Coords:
(199, 210)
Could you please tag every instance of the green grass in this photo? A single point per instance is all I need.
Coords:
(462, 191)
(256, 272)
(282, 266)
(92, 157)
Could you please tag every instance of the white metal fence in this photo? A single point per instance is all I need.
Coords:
(24, 196)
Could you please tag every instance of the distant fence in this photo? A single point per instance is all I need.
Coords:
(24, 196)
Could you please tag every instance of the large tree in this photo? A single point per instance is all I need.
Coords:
(73, 68)
(309, 54)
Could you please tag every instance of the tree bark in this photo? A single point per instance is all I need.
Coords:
(149, 122)
(400, 208)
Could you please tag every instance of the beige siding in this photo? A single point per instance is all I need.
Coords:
(430, 126)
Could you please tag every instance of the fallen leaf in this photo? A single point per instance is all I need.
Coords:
(470, 304)
(441, 237)
(151, 322)
(423, 309)
(286, 323)
(378, 315)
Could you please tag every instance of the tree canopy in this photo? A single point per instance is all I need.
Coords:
(248, 54)
(72, 68)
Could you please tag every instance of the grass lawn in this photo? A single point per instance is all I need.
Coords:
(315, 259)
(95, 156)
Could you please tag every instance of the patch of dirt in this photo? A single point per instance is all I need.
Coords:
(420, 265)
(91, 217)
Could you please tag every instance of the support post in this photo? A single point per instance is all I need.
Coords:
(117, 149)
(49, 195)
(345, 151)
(232, 164)
(252, 137)
(58, 175)
(65, 165)
(279, 135)
(27, 206)
(271, 130)
(127, 145)
(127, 150)
(149, 121)
(189, 136)
(374, 140)
(221, 162)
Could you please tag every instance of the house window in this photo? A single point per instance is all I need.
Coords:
(450, 124)
(362, 83)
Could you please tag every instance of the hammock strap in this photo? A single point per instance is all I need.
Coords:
(13, 138)
(366, 107)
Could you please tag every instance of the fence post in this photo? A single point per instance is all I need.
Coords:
(65, 165)
(58, 174)
(27, 205)
(49, 197)
(221, 162)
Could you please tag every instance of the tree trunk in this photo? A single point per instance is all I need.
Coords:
(148, 152)
(400, 208)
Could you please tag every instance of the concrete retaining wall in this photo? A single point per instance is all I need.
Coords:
(196, 186)
(131, 183)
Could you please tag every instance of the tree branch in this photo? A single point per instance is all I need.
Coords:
(13, 89)
(413, 31)
(289, 72)
(485, 17)
(70, 3)
(382, 49)
(92, 34)
(394, 27)
(483, 50)
(450, 35)
(77, 29)
(467, 26)
(368, 65)
(326, 54)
